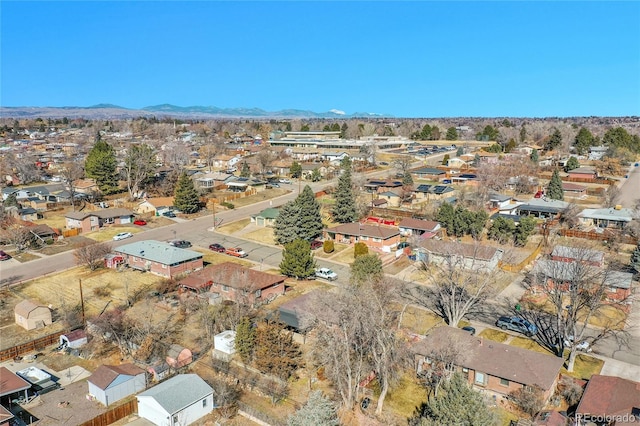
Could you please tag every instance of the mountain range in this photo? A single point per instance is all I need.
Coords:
(109, 111)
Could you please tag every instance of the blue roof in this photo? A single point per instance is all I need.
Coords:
(157, 251)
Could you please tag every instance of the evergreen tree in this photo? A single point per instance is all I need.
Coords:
(317, 411)
(457, 405)
(452, 134)
(446, 216)
(360, 249)
(635, 259)
(245, 341)
(316, 175)
(502, 230)
(535, 157)
(407, 179)
(285, 228)
(186, 197)
(100, 165)
(572, 163)
(296, 170)
(343, 130)
(344, 210)
(524, 229)
(583, 141)
(366, 267)
(11, 201)
(310, 219)
(554, 190)
(276, 353)
(246, 171)
(523, 133)
(555, 140)
(445, 159)
(297, 260)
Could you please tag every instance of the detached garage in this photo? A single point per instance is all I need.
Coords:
(31, 315)
(111, 383)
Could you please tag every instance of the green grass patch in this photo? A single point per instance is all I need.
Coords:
(405, 397)
(234, 226)
(495, 335)
(523, 342)
(585, 367)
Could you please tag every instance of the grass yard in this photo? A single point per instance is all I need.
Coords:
(420, 321)
(23, 257)
(585, 367)
(344, 256)
(495, 335)
(504, 416)
(406, 396)
(261, 235)
(234, 226)
(609, 316)
(57, 221)
(523, 342)
(337, 248)
(399, 265)
(215, 258)
(107, 234)
(70, 243)
(267, 194)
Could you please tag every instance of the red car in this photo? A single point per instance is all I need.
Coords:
(236, 251)
(217, 247)
(4, 256)
(139, 222)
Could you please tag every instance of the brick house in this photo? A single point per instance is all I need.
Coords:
(472, 256)
(575, 254)
(491, 367)
(159, 258)
(410, 226)
(612, 398)
(618, 286)
(583, 173)
(236, 283)
(92, 221)
(384, 238)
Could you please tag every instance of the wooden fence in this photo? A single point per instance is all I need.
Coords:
(71, 232)
(519, 266)
(31, 346)
(392, 213)
(114, 414)
(626, 239)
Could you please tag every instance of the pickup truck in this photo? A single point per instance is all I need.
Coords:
(236, 252)
(327, 274)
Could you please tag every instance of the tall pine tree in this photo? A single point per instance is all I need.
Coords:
(554, 190)
(285, 228)
(310, 219)
(186, 197)
(297, 260)
(101, 166)
(245, 341)
(344, 210)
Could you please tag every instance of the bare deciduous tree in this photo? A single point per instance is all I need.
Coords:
(92, 254)
(71, 172)
(139, 166)
(611, 196)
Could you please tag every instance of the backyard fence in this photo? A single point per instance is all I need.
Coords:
(70, 232)
(626, 239)
(31, 346)
(519, 266)
(114, 414)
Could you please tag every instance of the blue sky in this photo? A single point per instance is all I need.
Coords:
(408, 59)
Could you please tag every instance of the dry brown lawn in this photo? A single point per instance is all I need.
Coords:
(234, 227)
(215, 258)
(261, 235)
(106, 234)
(419, 320)
(260, 196)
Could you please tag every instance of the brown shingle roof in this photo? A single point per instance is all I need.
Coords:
(11, 382)
(25, 308)
(608, 395)
(479, 252)
(423, 225)
(499, 360)
(236, 276)
(103, 214)
(106, 374)
(360, 229)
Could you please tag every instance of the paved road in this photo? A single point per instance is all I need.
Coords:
(630, 189)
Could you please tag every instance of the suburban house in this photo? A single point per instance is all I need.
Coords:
(210, 180)
(393, 199)
(236, 283)
(86, 186)
(584, 173)
(379, 185)
(432, 192)
(111, 383)
(159, 258)
(491, 367)
(465, 178)
(377, 237)
(92, 221)
(266, 217)
(574, 190)
(504, 204)
(606, 218)
(429, 173)
(31, 315)
(179, 401)
(334, 157)
(612, 398)
(542, 208)
(578, 254)
(618, 286)
(153, 205)
(457, 163)
(472, 256)
(419, 227)
(13, 386)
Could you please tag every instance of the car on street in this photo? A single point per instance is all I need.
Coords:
(139, 222)
(4, 256)
(180, 243)
(169, 214)
(583, 346)
(122, 236)
(327, 274)
(517, 324)
(236, 252)
(315, 244)
(273, 185)
(217, 247)
(470, 329)
(287, 181)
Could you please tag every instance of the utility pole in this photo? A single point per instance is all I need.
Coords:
(81, 302)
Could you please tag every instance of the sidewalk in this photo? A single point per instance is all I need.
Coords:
(613, 367)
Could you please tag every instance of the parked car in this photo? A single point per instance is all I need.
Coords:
(236, 251)
(169, 214)
(446, 181)
(315, 244)
(583, 346)
(122, 236)
(365, 402)
(517, 324)
(140, 222)
(217, 247)
(287, 181)
(180, 243)
(327, 274)
(4, 256)
(274, 185)
(470, 329)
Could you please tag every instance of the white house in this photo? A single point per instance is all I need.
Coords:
(111, 383)
(335, 157)
(179, 401)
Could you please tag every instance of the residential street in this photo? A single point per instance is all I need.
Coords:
(629, 189)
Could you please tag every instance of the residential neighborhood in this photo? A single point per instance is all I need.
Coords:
(233, 276)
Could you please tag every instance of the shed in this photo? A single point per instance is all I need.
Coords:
(159, 371)
(31, 315)
(74, 339)
(178, 356)
(224, 344)
(111, 383)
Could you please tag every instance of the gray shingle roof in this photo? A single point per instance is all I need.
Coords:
(179, 392)
(157, 251)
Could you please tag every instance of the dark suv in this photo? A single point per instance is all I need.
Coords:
(180, 243)
(517, 324)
